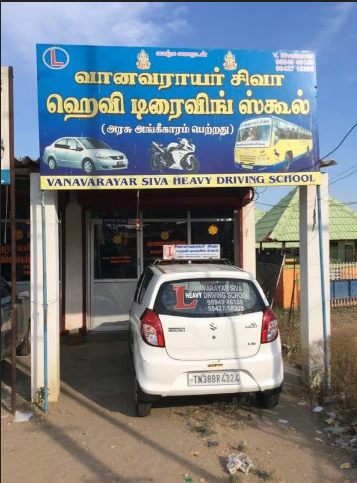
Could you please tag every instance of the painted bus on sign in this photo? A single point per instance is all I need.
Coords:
(270, 142)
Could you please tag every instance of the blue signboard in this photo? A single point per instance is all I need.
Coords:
(134, 118)
(5, 176)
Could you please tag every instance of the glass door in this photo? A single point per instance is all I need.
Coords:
(113, 273)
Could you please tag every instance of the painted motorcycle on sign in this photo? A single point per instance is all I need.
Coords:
(176, 155)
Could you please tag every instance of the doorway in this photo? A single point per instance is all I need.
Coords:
(113, 270)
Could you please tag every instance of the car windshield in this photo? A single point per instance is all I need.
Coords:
(92, 143)
(208, 298)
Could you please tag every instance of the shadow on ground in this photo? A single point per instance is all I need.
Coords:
(101, 369)
(98, 377)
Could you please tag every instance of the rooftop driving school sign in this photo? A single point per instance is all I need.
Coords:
(135, 118)
(189, 252)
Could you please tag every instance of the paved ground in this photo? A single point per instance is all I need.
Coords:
(92, 435)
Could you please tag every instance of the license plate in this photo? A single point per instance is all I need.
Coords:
(120, 163)
(217, 378)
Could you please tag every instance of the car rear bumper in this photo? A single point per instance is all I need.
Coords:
(159, 374)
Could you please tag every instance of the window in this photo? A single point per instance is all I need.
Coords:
(62, 144)
(218, 213)
(156, 234)
(349, 253)
(22, 235)
(215, 232)
(254, 133)
(216, 229)
(115, 255)
(72, 144)
(208, 298)
(147, 279)
(138, 286)
(91, 143)
(334, 250)
(282, 134)
(165, 214)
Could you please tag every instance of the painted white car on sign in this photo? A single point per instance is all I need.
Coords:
(85, 153)
(203, 328)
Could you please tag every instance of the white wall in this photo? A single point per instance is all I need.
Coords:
(51, 269)
(73, 255)
(310, 272)
(249, 253)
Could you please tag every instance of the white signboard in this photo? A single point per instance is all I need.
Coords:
(5, 126)
(190, 252)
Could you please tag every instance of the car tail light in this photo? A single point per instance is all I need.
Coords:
(151, 329)
(270, 329)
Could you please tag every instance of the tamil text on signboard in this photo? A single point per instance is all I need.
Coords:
(129, 118)
(180, 252)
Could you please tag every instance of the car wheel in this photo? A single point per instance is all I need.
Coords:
(267, 401)
(52, 164)
(142, 407)
(88, 166)
(24, 349)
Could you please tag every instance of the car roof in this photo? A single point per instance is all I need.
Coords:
(201, 270)
(65, 137)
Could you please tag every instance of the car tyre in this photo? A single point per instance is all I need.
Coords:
(142, 406)
(24, 349)
(88, 166)
(267, 401)
(52, 164)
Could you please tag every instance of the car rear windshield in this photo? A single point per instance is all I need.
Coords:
(208, 298)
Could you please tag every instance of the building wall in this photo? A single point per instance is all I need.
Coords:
(248, 238)
(73, 270)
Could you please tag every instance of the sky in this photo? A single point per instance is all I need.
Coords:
(327, 28)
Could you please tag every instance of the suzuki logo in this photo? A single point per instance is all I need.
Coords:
(213, 326)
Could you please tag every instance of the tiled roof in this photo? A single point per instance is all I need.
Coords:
(258, 214)
(281, 223)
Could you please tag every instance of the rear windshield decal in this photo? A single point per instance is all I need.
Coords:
(209, 298)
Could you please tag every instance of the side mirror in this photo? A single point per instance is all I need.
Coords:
(79, 149)
(24, 295)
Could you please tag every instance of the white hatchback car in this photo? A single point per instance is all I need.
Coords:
(200, 329)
